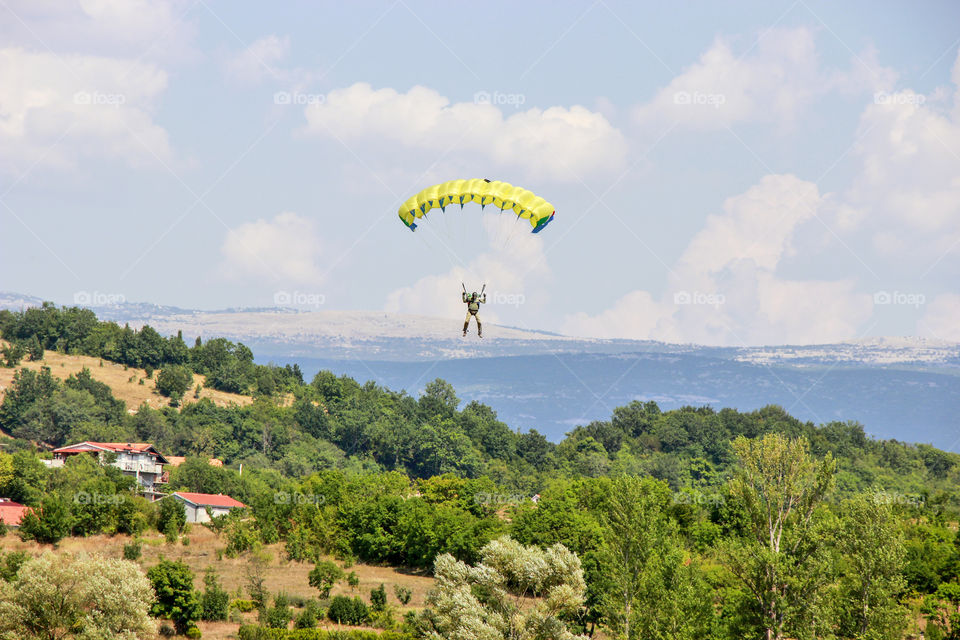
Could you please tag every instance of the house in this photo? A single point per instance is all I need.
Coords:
(138, 459)
(11, 513)
(196, 505)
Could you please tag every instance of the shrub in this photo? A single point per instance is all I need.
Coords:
(344, 610)
(323, 576)
(176, 597)
(215, 601)
(403, 594)
(132, 551)
(378, 598)
(243, 606)
(193, 632)
(167, 631)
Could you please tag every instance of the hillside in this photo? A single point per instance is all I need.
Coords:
(123, 381)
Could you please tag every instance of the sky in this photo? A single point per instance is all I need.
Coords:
(723, 173)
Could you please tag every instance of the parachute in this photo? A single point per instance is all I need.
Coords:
(502, 195)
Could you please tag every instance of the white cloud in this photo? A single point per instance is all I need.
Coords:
(725, 290)
(557, 142)
(909, 176)
(773, 81)
(59, 109)
(259, 60)
(283, 250)
(941, 318)
(134, 29)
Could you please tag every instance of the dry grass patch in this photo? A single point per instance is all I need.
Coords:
(123, 381)
(202, 551)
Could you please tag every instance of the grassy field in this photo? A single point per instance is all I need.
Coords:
(123, 381)
(201, 553)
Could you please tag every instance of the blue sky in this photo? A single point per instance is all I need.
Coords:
(749, 173)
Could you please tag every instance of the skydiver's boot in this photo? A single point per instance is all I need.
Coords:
(465, 324)
(479, 329)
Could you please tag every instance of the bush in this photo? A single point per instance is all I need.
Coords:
(307, 619)
(403, 594)
(252, 632)
(10, 564)
(215, 602)
(324, 576)
(167, 631)
(243, 606)
(344, 610)
(378, 598)
(173, 381)
(193, 632)
(132, 551)
(171, 517)
(176, 597)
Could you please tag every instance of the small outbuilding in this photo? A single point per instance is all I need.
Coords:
(196, 505)
(11, 513)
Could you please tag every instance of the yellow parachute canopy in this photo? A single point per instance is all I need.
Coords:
(502, 195)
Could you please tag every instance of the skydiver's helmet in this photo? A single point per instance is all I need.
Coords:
(474, 296)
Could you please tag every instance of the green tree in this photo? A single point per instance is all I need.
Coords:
(779, 487)
(84, 596)
(173, 381)
(215, 601)
(172, 516)
(50, 523)
(652, 589)
(378, 598)
(176, 597)
(870, 541)
(323, 576)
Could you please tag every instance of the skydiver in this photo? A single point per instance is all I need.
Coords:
(473, 302)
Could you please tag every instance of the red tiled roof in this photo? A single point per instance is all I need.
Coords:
(209, 499)
(89, 445)
(11, 513)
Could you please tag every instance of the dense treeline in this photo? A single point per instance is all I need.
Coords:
(77, 331)
(668, 511)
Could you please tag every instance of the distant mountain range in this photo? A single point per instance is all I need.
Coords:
(904, 388)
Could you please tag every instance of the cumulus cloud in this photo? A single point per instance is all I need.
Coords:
(557, 142)
(283, 250)
(58, 109)
(772, 81)
(907, 189)
(725, 288)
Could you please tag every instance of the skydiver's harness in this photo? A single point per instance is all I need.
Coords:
(472, 300)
